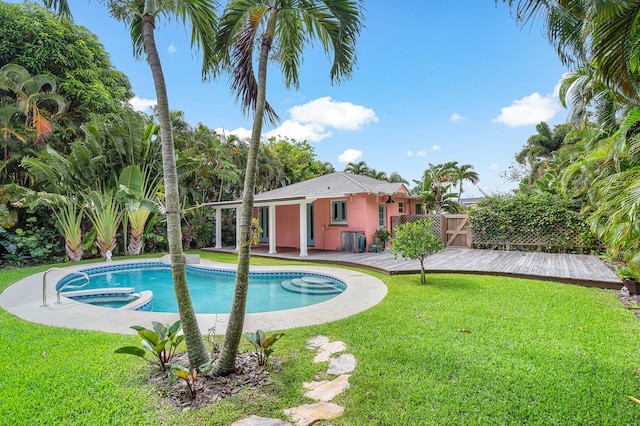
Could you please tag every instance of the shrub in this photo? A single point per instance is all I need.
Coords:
(539, 221)
(36, 243)
(416, 241)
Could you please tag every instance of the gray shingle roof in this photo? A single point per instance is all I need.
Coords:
(332, 185)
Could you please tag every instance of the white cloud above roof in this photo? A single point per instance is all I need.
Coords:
(339, 115)
(292, 129)
(350, 155)
(312, 121)
(529, 110)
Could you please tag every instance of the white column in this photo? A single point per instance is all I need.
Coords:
(303, 229)
(238, 219)
(272, 229)
(218, 227)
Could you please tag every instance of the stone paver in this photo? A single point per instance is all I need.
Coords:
(308, 414)
(325, 351)
(260, 421)
(343, 364)
(326, 390)
(316, 342)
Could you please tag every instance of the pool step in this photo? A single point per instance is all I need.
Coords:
(311, 285)
(135, 301)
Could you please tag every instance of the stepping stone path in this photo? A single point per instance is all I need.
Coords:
(322, 391)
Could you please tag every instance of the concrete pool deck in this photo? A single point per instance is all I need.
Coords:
(24, 299)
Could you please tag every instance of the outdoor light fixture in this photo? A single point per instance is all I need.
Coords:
(390, 200)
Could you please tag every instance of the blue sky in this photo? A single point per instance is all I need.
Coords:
(436, 81)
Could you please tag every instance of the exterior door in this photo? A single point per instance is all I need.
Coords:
(310, 231)
(382, 216)
(263, 219)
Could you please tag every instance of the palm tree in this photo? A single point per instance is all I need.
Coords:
(140, 17)
(436, 184)
(463, 173)
(541, 146)
(359, 168)
(252, 27)
(588, 32)
(395, 177)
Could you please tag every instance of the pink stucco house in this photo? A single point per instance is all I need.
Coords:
(330, 212)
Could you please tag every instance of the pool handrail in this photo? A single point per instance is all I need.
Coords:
(68, 272)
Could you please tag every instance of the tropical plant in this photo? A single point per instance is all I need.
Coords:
(435, 187)
(188, 375)
(69, 221)
(416, 240)
(381, 236)
(464, 173)
(37, 40)
(262, 343)
(251, 28)
(540, 147)
(36, 98)
(591, 33)
(359, 168)
(105, 214)
(161, 342)
(137, 188)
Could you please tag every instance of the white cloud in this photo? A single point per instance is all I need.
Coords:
(350, 155)
(421, 153)
(142, 104)
(172, 48)
(327, 112)
(240, 132)
(292, 129)
(531, 109)
(311, 121)
(457, 118)
(409, 153)
(494, 166)
(436, 147)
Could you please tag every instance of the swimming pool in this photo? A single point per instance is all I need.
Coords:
(212, 289)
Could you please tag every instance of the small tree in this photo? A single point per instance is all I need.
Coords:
(416, 240)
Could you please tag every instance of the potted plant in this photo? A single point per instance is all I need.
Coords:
(629, 280)
(381, 236)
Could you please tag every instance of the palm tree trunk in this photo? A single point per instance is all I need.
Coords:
(196, 349)
(225, 364)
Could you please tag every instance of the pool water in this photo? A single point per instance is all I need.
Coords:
(211, 291)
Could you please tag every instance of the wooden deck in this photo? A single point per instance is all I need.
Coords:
(578, 269)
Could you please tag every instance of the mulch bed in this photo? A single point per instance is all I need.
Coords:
(209, 389)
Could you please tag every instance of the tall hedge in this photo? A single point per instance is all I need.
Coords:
(45, 43)
(539, 222)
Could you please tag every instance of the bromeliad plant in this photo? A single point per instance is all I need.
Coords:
(263, 344)
(162, 342)
(189, 377)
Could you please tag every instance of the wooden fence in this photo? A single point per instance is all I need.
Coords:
(453, 229)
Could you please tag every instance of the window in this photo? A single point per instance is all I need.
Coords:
(382, 216)
(339, 211)
(419, 208)
(401, 207)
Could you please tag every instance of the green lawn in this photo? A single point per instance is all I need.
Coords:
(461, 350)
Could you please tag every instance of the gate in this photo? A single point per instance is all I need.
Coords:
(453, 229)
